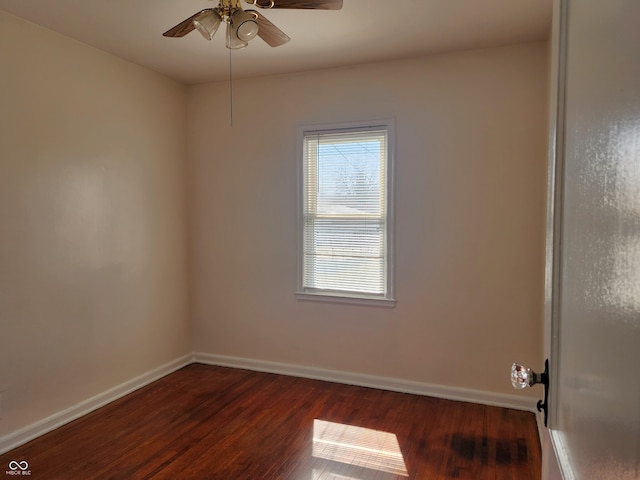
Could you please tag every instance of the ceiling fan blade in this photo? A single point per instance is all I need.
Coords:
(303, 4)
(184, 27)
(268, 32)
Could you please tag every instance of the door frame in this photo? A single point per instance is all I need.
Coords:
(554, 461)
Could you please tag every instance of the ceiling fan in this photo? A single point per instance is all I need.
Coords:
(244, 25)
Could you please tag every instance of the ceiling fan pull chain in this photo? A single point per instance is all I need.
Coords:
(230, 85)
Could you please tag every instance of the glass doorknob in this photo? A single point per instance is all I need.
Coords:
(523, 377)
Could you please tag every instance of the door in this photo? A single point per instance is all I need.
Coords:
(594, 251)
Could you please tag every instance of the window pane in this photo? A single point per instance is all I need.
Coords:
(345, 255)
(349, 177)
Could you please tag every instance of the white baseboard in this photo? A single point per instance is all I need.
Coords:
(24, 435)
(372, 381)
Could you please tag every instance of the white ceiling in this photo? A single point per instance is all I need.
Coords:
(363, 31)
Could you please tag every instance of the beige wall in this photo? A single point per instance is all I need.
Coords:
(93, 281)
(470, 196)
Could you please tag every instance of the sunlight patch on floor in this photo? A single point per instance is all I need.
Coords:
(357, 446)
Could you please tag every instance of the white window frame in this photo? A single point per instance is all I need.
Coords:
(302, 293)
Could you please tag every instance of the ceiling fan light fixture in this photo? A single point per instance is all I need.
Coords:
(244, 25)
(207, 23)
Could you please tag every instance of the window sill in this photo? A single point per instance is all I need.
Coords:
(346, 299)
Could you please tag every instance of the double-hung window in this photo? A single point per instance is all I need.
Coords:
(345, 226)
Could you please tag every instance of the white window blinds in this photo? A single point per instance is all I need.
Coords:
(345, 218)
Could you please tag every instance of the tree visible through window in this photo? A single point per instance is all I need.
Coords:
(345, 212)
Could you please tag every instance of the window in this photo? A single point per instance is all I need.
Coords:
(345, 225)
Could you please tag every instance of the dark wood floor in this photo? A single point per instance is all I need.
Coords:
(205, 422)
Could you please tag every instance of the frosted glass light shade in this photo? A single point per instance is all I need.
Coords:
(244, 25)
(232, 40)
(207, 23)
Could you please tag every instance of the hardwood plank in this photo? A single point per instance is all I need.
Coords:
(206, 422)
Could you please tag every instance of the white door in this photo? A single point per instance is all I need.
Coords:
(595, 306)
